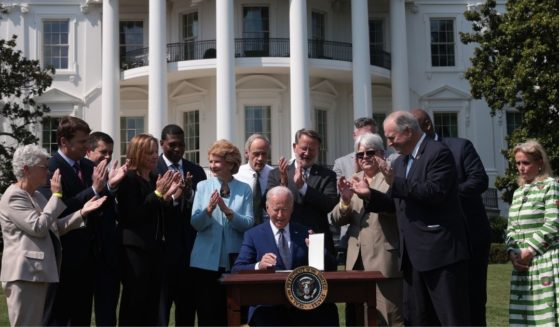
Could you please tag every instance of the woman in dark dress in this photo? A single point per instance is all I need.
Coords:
(141, 197)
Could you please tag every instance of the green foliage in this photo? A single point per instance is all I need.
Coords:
(21, 80)
(498, 227)
(516, 65)
(498, 253)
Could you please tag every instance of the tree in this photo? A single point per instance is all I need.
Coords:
(21, 80)
(516, 65)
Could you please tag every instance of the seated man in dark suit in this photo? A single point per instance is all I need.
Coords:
(281, 244)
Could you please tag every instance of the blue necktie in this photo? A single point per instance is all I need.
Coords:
(284, 249)
(410, 163)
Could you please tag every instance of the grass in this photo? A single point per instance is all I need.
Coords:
(497, 302)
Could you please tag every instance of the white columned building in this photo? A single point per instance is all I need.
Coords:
(110, 97)
(157, 99)
(225, 71)
(299, 66)
(362, 95)
(399, 55)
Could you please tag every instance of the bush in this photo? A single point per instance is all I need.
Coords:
(498, 253)
(498, 227)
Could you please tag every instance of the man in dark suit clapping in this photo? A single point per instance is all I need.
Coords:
(433, 243)
(472, 182)
(313, 187)
(177, 283)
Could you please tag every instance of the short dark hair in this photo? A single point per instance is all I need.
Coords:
(364, 121)
(308, 132)
(69, 126)
(95, 137)
(171, 129)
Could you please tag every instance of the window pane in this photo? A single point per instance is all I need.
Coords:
(131, 37)
(514, 119)
(129, 127)
(55, 43)
(322, 129)
(258, 121)
(191, 125)
(50, 124)
(446, 124)
(442, 42)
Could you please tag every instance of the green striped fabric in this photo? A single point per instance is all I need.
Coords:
(534, 222)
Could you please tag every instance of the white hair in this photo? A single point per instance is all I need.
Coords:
(28, 155)
(280, 190)
(369, 141)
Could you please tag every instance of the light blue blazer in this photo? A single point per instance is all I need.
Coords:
(216, 236)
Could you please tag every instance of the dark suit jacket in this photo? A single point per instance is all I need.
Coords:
(312, 209)
(472, 182)
(179, 234)
(260, 240)
(77, 243)
(432, 225)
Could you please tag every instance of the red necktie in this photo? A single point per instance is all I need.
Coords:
(79, 171)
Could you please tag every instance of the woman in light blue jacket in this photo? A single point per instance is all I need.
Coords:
(221, 213)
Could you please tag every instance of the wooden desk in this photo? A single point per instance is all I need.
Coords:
(268, 288)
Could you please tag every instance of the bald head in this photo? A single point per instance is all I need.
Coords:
(424, 121)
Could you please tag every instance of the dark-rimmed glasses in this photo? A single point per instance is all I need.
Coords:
(361, 155)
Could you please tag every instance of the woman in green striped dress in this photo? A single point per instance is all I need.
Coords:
(533, 240)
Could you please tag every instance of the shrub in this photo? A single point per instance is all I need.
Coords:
(498, 227)
(498, 253)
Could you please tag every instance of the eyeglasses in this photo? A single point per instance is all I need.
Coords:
(369, 153)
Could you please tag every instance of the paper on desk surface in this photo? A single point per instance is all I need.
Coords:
(316, 251)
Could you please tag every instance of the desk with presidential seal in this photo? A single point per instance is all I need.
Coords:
(305, 288)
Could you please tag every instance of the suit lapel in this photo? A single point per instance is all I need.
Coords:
(418, 157)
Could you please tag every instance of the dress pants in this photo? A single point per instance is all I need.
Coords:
(436, 297)
(26, 302)
(211, 298)
(178, 286)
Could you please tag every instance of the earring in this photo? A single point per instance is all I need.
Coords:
(540, 169)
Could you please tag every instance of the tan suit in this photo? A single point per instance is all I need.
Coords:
(375, 240)
(28, 261)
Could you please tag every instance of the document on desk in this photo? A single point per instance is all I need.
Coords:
(316, 251)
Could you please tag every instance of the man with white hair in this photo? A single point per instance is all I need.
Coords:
(434, 250)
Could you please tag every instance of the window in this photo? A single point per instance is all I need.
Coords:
(442, 42)
(131, 37)
(258, 120)
(446, 124)
(129, 127)
(191, 128)
(376, 34)
(190, 34)
(50, 125)
(55, 43)
(256, 31)
(514, 119)
(318, 28)
(321, 116)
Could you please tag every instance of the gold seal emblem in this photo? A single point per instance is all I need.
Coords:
(306, 288)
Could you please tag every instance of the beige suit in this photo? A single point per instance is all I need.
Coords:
(28, 261)
(375, 240)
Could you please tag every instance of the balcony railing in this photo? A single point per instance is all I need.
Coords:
(253, 47)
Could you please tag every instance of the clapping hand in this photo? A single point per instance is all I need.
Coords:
(93, 204)
(164, 182)
(56, 182)
(99, 177)
(385, 168)
(175, 189)
(213, 202)
(283, 164)
(360, 187)
(344, 186)
(298, 176)
(117, 173)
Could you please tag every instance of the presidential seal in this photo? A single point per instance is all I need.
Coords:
(306, 288)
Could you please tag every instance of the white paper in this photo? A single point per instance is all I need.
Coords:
(316, 251)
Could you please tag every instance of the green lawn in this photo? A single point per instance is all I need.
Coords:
(497, 304)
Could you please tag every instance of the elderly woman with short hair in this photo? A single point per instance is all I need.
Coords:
(373, 243)
(221, 213)
(31, 230)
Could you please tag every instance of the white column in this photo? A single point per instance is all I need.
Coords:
(157, 104)
(110, 96)
(362, 97)
(399, 56)
(226, 99)
(299, 66)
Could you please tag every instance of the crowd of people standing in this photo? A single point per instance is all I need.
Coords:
(81, 231)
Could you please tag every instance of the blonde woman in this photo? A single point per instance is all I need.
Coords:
(533, 240)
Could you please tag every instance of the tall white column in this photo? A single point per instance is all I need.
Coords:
(299, 66)
(362, 96)
(226, 101)
(399, 56)
(110, 96)
(157, 103)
